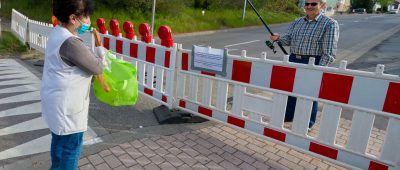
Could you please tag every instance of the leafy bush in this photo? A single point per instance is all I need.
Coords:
(9, 44)
(180, 15)
(136, 5)
(170, 7)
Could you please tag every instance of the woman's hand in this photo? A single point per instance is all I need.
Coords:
(274, 37)
(101, 52)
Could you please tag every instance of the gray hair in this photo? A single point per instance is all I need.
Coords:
(324, 1)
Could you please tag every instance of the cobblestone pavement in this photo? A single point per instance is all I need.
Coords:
(215, 147)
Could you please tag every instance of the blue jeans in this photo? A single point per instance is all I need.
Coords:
(65, 151)
(291, 102)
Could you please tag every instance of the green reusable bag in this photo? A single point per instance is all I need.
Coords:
(121, 78)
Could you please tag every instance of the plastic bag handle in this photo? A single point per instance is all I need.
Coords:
(100, 77)
(123, 86)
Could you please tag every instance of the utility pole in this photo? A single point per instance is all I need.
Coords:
(301, 3)
(0, 19)
(244, 9)
(152, 20)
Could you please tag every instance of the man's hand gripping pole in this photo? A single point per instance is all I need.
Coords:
(269, 44)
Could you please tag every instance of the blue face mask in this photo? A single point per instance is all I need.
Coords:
(83, 28)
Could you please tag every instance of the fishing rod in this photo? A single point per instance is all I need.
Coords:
(269, 44)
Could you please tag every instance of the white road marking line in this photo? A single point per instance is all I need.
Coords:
(14, 75)
(248, 42)
(18, 81)
(201, 45)
(35, 95)
(39, 145)
(22, 110)
(35, 146)
(24, 88)
(30, 125)
(92, 141)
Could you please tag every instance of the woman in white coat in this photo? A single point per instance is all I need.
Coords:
(67, 74)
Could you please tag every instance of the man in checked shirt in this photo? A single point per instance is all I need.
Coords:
(314, 35)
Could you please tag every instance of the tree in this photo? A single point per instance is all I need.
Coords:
(367, 4)
(384, 4)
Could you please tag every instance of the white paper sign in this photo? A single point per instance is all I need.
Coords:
(209, 59)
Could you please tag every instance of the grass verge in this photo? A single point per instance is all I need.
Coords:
(181, 20)
(9, 44)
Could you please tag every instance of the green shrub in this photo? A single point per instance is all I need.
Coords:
(180, 15)
(10, 44)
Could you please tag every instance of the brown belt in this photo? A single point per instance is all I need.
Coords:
(298, 56)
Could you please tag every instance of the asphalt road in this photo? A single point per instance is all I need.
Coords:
(387, 53)
(358, 34)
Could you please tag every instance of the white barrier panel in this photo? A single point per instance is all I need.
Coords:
(368, 94)
(38, 32)
(155, 65)
(19, 25)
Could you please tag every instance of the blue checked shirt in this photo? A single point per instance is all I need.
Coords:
(316, 37)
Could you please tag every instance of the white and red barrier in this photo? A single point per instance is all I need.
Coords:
(368, 93)
(19, 25)
(38, 35)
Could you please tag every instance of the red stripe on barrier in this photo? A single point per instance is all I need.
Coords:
(335, 87)
(282, 78)
(374, 166)
(167, 58)
(150, 54)
(323, 150)
(241, 71)
(164, 98)
(185, 61)
(205, 111)
(208, 73)
(119, 46)
(182, 103)
(106, 43)
(275, 134)
(236, 121)
(148, 91)
(392, 101)
(134, 50)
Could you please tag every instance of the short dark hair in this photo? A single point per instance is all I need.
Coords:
(62, 9)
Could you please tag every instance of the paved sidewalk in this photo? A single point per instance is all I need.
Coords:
(214, 147)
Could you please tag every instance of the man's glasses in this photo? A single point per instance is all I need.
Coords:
(312, 4)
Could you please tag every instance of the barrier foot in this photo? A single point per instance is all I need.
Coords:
(175, 116)
(39, 63)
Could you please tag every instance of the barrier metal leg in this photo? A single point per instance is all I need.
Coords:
(164, 115)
